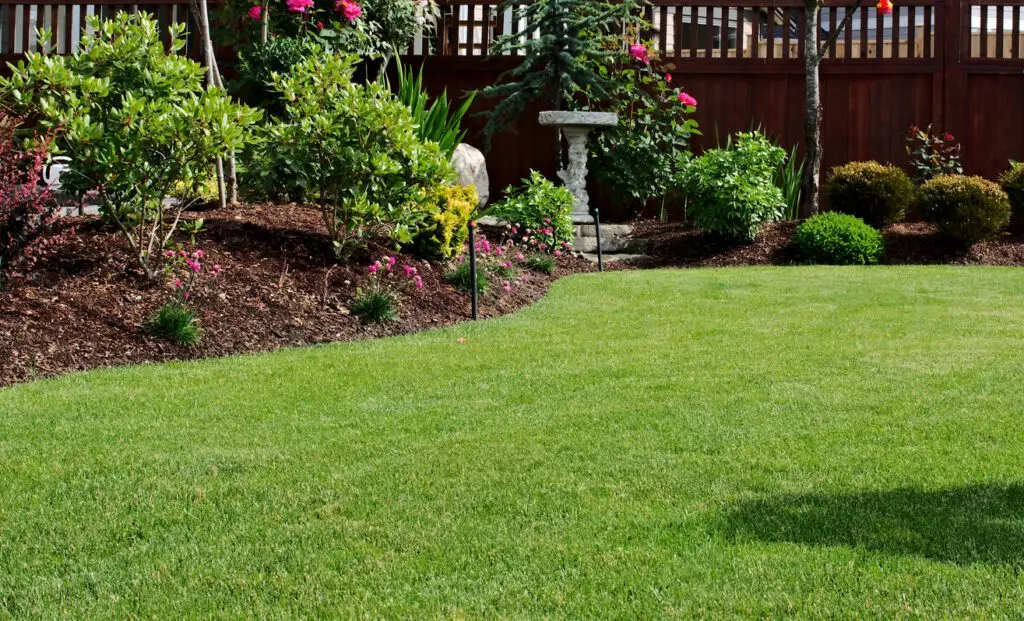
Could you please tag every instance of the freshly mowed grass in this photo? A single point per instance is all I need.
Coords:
(815, 442)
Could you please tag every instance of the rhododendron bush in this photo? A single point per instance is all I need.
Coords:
(135, 120)
(354, 149)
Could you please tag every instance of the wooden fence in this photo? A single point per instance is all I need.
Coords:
(958, 64)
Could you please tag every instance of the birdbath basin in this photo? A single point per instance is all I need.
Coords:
(575, 126)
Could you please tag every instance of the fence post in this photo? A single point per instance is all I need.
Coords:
(951, 116)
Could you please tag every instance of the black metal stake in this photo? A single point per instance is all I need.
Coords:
(597, 232)
(472, 268)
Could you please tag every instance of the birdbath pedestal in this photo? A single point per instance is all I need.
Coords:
(575, 126)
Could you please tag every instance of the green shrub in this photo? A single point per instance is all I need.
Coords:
(447, 227)
(878, 194)
(136, 121)
(461, 277)
(375, 306)
(969, 209)
(1012, 182)
(838, 239)
(541, 263)
(176, 323)
(354, 150)
(539, 205)
(732, 191)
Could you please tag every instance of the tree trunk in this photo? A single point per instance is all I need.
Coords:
(265, 21)
(812, 113)
(199, 7)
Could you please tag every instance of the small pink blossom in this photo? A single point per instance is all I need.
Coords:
(351, 10)
(668, 78)
(419, 282)
(558, 253)
(547, 220)
(255, 12)
(198, 254)
(182, 254)
(194, 265)
(298, 6)
(170, 254)
(543, 246)
(178, 284)
(520, 256)
(410, 271)
(373, 268)
(507, 286)
(687, 99)
(216, 270)
(639, 52)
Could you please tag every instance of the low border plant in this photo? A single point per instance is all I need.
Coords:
(378, 300)
(969, 209)
(838, 239)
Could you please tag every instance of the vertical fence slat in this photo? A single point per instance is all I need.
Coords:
(709, 35)
(694, 14)
(787, 24)
(927, 52)
(1015, 33)
(984, 31)
(912, 32)
(677, 32)
(755, 47)
(770, 35)
(848, 37)
(1000, 14)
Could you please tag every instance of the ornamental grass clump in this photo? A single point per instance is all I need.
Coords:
(176, 320)
(378, 300)
(838, 239)
(876, 193)
(968, 209)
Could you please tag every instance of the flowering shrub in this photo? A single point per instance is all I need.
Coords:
(503, 262)
(176, 320)
(27, 213)
(969, 209)
(732, 191)
(933, 154)
(378, 302)
(638, 159)
(875, 193)
(838, 239)
(353, 148)
(136, 121)
(540, 213)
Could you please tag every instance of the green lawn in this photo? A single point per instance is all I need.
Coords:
(825, 442)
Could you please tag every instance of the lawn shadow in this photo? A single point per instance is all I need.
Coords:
(975, 524)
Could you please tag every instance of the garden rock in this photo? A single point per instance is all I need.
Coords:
(469, 162)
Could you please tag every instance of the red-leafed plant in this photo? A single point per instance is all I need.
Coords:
(27, 209)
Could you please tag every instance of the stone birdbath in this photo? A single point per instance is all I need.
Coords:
(575, 126)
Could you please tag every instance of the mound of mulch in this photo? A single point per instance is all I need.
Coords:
(88, 304)
(913, 243)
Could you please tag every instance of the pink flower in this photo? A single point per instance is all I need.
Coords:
(419, 282)
(373, 268)
(298, 6)
(507, 286)
(319, 25)
(188, 296)
(547, 220)
(194, 265)
(515, 229)
(687, 99)
(198, 254)
(170, 254)
(350, 9)
(639, 52)
(255, 12)
(520, 256)
(410, 271)
(178, 284)
(182, 254)
(558, 253)
(216, 270)
(526, 277)
(499, 251)
(668, 78)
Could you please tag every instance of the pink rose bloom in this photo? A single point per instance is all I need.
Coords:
(639, 52)
(351, 10)
(668, 78)
(255, 12)
(298, 6)
(687, 99)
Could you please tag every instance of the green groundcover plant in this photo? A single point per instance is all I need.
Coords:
(539, 211)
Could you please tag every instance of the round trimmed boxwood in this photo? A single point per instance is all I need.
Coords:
(1012, 182)
(968, 209)
(838, 239)
(878, 194)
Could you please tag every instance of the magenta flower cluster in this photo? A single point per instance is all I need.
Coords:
(383, 273)
(543, 239)
(184, 269)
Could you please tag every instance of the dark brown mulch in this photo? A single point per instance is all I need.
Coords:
(912, 243)
(89, 303)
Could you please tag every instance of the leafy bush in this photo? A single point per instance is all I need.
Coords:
(447, 228)
(931, 154)
(440, 122)
(732, 191)
(177, 324)
(27, 213)
(539, 206)
(461, 277)
(969, 209)
(354, 150)
(135, 120)
(838, 239)
(1012, 182)
(875, 193)
(259, 62)
(638, 159)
